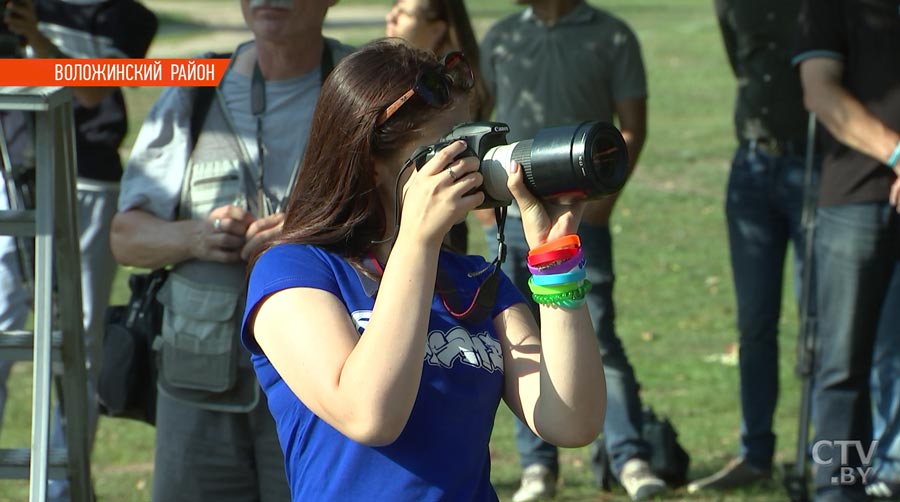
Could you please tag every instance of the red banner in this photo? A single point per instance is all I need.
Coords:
(112, 72)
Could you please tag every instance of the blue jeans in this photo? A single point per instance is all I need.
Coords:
(623, 409)
(764, 205)
(857, 250)
(885, 385)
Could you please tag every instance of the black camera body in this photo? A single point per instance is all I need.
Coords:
(480, 138)
(587, 160)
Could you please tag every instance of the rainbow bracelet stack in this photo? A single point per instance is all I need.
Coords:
(557, 269)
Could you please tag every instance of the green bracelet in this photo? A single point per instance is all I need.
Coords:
(571, 304)
(557, 298)
(554, 289)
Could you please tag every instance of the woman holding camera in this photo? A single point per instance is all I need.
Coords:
(443, 26)
(384, 356)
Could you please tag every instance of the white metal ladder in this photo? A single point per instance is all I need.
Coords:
(60, 336)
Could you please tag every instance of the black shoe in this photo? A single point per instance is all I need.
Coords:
(736, 473)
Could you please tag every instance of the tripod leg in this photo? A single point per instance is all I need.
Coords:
(795, 478)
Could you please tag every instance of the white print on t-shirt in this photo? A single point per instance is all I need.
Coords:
(479, 351)
(361, 319)
(444, 349)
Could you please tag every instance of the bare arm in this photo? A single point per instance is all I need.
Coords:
(632, 115)
(554, 377)
(363, 386)
(140, 239)
(22, 20)
(841, 113)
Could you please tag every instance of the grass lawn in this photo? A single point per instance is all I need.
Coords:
(675, 302)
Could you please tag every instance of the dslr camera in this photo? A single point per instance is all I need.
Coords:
(587, 160)
(12, 46)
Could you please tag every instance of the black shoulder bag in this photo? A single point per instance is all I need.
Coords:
(126, 386)
(668, 459)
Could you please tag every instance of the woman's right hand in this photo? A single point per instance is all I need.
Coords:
(441, 193)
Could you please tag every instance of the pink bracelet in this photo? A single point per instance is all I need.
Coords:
(559, 267)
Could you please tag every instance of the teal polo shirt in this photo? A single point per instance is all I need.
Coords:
(544, 76)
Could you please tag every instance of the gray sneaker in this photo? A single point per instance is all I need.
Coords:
(639, 481)
(538, 483)
(736, 473)
(883, 489)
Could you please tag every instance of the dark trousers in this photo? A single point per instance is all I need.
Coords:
(204, 455)
(764, 206)
(857, 251)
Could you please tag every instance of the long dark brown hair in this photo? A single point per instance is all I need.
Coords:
(334, 203)
(461, 37)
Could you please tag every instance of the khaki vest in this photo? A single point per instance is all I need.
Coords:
(202, 360)
(201, 357)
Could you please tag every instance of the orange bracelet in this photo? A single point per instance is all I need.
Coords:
(566, 241)
(542, 259)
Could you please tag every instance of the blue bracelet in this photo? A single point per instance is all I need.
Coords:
(552, 280)
(892, 162)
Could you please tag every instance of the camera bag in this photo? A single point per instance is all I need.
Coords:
(668, 459)
(126, 386)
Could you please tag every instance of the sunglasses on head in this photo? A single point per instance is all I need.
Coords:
(433, 84)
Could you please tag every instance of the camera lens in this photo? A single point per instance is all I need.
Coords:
(587, 160)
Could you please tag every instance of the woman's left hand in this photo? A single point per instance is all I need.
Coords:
(544, 220)
(261, 231)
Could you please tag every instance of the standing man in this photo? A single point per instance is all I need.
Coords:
(764, 205)
(524, 59)
(77, 29)
(848, 59)
(201, 206)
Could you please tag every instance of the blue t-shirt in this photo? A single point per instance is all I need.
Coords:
(442, 453)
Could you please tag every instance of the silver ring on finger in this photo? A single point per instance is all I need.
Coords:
(217, 225)
(452, 175)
